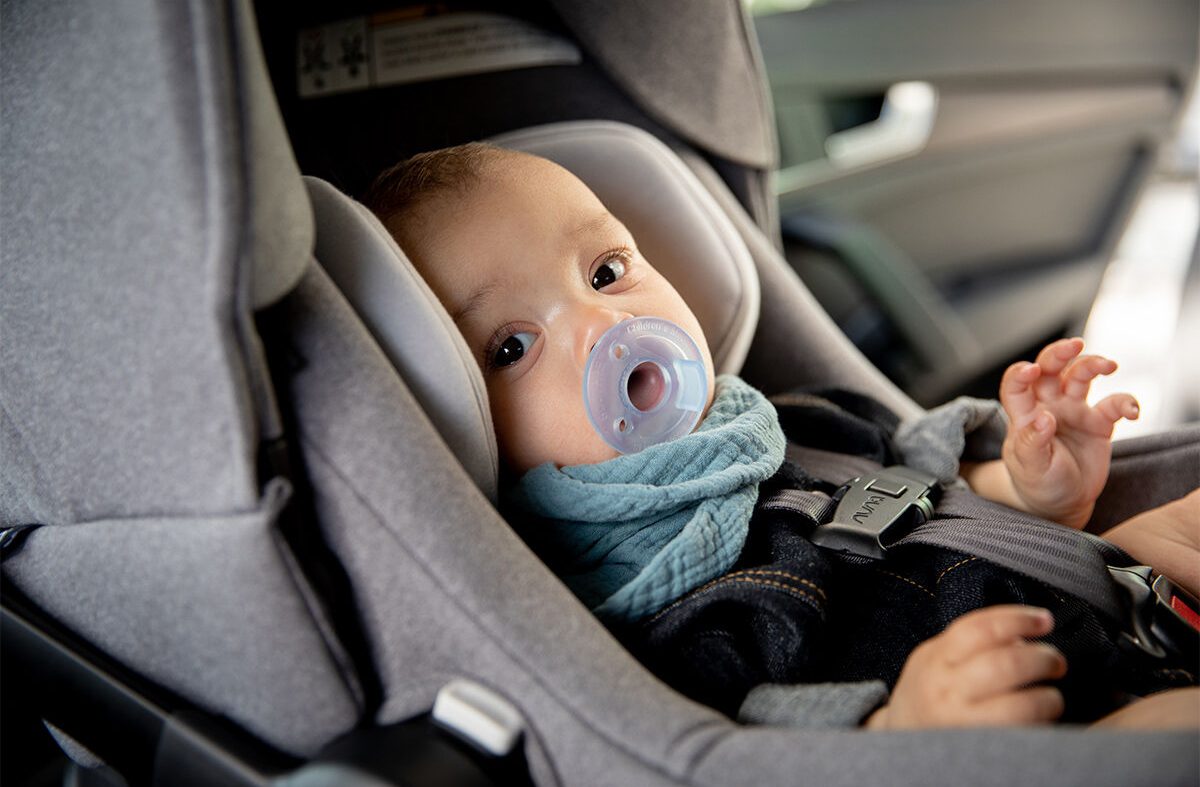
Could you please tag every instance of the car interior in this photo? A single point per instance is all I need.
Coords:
(247, 505)
(934, 184)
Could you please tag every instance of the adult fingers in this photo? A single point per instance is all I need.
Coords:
(1035, 705)
(1055, 356)
(1008, 667)
(1016, 392)
(988, 627)
(1078, 376)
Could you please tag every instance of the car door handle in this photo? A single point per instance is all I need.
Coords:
(903, 129)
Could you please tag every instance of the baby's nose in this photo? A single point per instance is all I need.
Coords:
(595, 322)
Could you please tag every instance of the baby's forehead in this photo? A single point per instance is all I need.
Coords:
(518, 188)
(513, 208)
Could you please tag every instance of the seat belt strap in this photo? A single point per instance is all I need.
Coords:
(1059, 559)
(812, 506)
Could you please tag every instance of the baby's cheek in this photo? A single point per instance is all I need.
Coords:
(530, 435)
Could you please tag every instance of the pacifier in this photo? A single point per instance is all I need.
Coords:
(644, 383)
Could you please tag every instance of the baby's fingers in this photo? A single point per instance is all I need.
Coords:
(1032, 443)
(1117, 406)
(989, 627)
(1016, 392)
(1055, 356)
(1077, 378)
(1036, 705)
(1009, 667)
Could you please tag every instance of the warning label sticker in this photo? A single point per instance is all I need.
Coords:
(365, 52)
(333, 58)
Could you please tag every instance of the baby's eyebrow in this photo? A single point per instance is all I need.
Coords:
(595, 224)
(474, 302)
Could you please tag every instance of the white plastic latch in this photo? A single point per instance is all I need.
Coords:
(478, 715)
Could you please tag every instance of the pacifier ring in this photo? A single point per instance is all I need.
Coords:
(644, 383)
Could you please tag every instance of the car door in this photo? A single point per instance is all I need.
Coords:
(954, 175)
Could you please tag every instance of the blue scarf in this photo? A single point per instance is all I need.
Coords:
(634, 533)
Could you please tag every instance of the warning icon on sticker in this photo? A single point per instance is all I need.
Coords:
(333, 58)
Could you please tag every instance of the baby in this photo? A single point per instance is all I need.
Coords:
(533, 269)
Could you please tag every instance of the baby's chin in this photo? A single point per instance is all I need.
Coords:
(592, 454)
(590, 451)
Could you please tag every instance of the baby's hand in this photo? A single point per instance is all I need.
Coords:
(977, 673)
(1058, 449)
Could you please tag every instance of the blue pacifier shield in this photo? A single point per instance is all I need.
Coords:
(644, 383)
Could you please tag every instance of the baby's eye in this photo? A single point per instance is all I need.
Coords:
(513, 349)
(609, 271)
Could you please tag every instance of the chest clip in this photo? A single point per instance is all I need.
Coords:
(877, 509)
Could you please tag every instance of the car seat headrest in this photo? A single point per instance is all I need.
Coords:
(678, 226)
(410, 325)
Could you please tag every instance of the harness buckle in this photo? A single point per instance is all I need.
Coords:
(1164, 618)
(876, 509)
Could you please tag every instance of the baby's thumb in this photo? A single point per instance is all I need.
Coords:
(1033, 442)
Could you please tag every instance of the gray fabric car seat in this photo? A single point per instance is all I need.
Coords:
(573, 691)
(540, 649)
(139, 235)
(139, 239)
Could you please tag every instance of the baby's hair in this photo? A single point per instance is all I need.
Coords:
(403, 186)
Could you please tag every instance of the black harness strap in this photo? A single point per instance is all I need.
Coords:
(1068, 560)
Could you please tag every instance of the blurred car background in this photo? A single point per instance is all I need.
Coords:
(956, 179)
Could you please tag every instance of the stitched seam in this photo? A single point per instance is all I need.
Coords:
(738, 576)
(762, 572)
(697, 592)
(788, 589)
(959, 564)
(920, 587)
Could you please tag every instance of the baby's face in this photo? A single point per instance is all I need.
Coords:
(534, 270)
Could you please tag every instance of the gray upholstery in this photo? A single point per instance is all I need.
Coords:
(206, 605)
(1147, 472)
(145, 209)
(410, 325)
(127, 225)
(717, 98)
(117, 335)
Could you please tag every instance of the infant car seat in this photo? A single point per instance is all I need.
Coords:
(247, 459)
